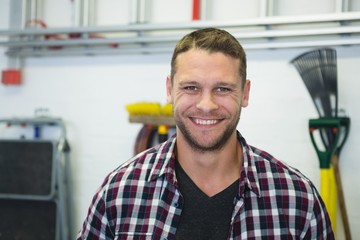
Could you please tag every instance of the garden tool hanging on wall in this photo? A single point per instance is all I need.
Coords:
(318, 69)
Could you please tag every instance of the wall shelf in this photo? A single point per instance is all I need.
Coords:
(261, 33)
(153, 120)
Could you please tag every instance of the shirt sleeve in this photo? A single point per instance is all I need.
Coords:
(320, 225)
(96, 224)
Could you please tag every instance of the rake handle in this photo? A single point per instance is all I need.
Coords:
(341, 197)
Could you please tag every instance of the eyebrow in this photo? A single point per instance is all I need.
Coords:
(219, 83)
(226, 84)
(185, 82)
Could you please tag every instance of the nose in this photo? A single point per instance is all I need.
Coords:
(207, 102)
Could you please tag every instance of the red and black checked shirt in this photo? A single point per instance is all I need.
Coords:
(141, 200)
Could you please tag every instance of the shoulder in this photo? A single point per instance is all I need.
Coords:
(268, 173)
(280, 177)
(285, 191)
(287, 188)
(143, 167)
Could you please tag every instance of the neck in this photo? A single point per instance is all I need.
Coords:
(211, 171)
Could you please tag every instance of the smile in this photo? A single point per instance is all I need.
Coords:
(205, 122)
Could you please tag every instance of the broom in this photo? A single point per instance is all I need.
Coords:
(156, 120)
(318, 70)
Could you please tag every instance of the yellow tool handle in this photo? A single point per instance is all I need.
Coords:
(328, 193)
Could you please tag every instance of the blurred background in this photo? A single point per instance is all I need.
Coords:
(84, 61)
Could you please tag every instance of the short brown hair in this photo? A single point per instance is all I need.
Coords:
(212, 40)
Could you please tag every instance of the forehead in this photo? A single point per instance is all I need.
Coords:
(202, 63)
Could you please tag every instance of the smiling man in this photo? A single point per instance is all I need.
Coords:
(206, 182)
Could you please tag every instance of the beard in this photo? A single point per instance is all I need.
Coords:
(216, 145)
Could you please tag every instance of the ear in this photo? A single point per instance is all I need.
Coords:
(169, 98)
(245, 94)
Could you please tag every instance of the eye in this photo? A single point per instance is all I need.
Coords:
(191, 88)
(223, 90)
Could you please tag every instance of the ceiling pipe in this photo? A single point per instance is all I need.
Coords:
(284, 32)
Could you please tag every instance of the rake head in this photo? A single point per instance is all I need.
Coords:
(318, 70)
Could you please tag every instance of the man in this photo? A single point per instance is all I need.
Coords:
(206, 182)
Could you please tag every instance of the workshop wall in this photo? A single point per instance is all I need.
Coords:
(90, 93)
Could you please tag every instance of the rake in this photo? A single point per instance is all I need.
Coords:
(318, 70)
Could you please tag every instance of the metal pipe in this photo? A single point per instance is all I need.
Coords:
(81, 13)
(168, 49)
(345, 6)
(315, 32)
(270, 8)
(148, 37)
(196, 10)
(340, 6)
(139, 10)
(204, 9)
(133, 12)
(263, 12)
(16, 21)
(326, 18)
(144, 11)
(91, 10)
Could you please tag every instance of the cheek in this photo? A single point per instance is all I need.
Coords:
(179, 97)
(231, 103)
(182, 102)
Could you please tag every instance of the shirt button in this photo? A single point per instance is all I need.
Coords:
(175, 204)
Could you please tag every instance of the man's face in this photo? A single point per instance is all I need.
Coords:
(207, 98)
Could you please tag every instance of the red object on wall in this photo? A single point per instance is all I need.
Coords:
(196, 10)
(11, 77)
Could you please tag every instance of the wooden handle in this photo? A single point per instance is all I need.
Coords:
(341, 198)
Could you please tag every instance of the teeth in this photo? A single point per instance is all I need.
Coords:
(205, 122)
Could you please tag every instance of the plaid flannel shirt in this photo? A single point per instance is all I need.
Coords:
(141, 200)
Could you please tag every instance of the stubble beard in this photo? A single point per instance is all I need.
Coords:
(216, 145)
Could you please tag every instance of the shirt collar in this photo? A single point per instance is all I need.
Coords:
(164, 165)
(164, 160)
(249, 179)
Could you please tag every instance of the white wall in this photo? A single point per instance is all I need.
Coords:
(89, 94)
